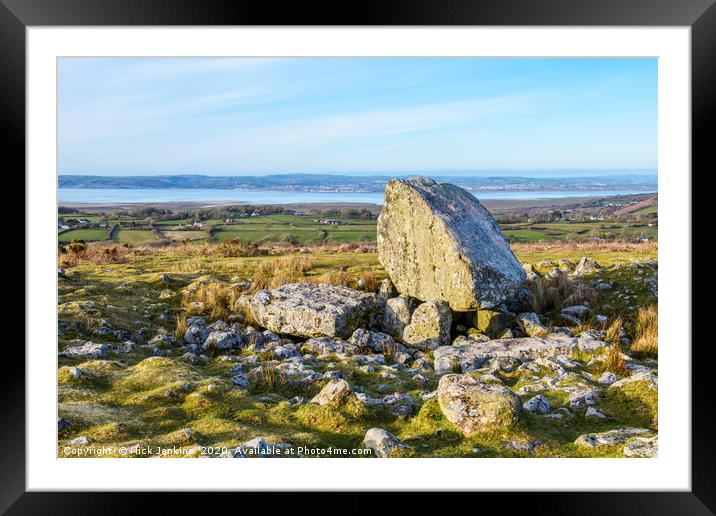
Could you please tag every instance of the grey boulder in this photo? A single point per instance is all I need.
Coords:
(315, 310)
(438, 242)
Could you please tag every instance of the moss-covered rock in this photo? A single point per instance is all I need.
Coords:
(473, 406)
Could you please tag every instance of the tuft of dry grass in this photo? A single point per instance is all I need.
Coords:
(337, 278)
(216, 301)
(615, 361)
(614, 330)
(646, 331)
(235, 248)
(371, 281)
(180, 329)
(551, 295)
(276, 272)
(79, 253)
(583, 247)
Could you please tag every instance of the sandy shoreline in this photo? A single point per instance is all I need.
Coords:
(491, 204)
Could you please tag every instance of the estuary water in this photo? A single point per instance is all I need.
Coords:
(148, 195)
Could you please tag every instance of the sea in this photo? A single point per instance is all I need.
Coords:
(149, 195)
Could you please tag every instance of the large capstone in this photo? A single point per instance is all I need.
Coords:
(438, 242)
(315, 310)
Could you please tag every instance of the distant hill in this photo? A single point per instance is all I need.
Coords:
(344, 183)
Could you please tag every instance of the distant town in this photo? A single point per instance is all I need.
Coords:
(362, 184)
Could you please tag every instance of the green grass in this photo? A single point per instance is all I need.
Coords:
(135, 236)
(89, 235)
(135, 399)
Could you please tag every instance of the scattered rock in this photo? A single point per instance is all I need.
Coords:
(314, 309)
(523, 446)
(335, 390)
(88, 349)
(595, 412)
(538, 404)
(474, 355)
(81, 440)
(647, 447)
(221, 340)
(607, 378)
(438, 242)
(396, 316)
(493, 322)
(382, 442)
(473, 406)
(374, 340)
(610, 438)
(387, 290)
(583, 397)
(531, 325)
(196, 334)
(585, 266)
(429, 326)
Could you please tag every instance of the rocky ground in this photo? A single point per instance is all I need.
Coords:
(445, 344)
(125, 379)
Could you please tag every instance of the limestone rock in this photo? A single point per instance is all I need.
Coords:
(586, 266)
(531, 325)
(438, 242)
(473, 406)
(429, 326)
(396, 316)
(335, 390)
(375, 340)
(538, 404)
(387, 290)
(610, 438)
(88, 349)
(474, 355)
(220, 340)
(493, 322)
(381, 442)
(314, 310)
(642, 447)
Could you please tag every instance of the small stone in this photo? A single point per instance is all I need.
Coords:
(531, 324)
(607, 378)
(646, 447)
(335, 390)
(381, 442)
(81, 440)
(538, 404)
(595, 412)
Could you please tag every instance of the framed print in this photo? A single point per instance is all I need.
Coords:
(456, 243)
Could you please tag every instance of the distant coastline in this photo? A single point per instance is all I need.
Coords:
(357, 184)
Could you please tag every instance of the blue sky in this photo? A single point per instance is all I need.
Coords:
(233, 116)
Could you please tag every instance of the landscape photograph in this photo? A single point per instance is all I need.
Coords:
(357, 258)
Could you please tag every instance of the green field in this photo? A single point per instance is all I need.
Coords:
(135, 236)
(527, 232)
(306, 228)
(89, 234)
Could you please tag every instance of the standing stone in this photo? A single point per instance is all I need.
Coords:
(315, 310)
(429, 326)
(438, 242)
(473, 406)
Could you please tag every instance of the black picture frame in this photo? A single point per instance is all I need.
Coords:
(700, 15)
